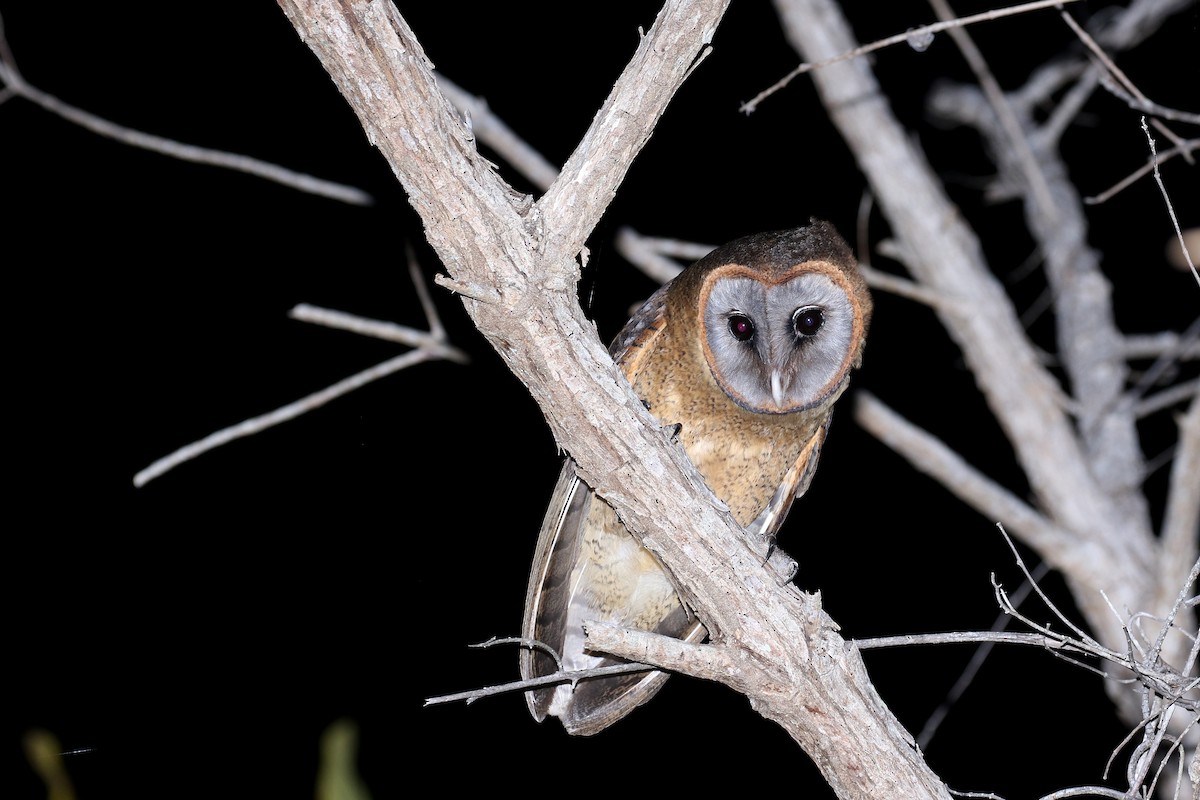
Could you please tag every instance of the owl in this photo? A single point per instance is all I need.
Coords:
(745, 353)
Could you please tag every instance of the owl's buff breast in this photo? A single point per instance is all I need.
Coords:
(743, 456)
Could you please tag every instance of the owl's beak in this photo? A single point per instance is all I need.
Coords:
(777, 388)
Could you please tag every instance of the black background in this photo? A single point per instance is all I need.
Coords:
(198, 634)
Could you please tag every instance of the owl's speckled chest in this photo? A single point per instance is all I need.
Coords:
(742, 455)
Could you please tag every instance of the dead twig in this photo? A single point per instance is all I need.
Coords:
(917, 38)
(430, 346)
(16, 86)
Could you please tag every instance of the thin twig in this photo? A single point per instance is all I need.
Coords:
(290, 411)
(972, 637)
(568, 676)
(432, 318)
(1116, 74)
(1017, 140)
(1154, 345)
(1151, 165)
(430, 346)
(1150, 107)
(1049, 604)
(524, 641)
(474, 291)
(1159, 679)
(1165, 361)
(1181, 518)
(378, 329)
(1169, 623)
(1167, 398)
(184, 152)
(1170, 208)
(675, 248)
(1036, 93)
(652, 255)
(930, 728)
(1087, 791)
(902, 287)
(921, 34)
(6, 55)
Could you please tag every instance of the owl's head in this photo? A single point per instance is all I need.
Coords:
(784, 317)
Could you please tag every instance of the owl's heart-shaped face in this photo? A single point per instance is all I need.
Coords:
(779, 343)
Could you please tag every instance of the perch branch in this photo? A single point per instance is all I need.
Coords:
(490, 236)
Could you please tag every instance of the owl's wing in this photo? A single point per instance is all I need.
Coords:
(795, 483)
(637, 336)
(587, 567)
(548, 595)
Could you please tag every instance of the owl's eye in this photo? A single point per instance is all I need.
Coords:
(742, 327)
(807, 321)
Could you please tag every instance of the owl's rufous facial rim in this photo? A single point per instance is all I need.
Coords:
(830, 270)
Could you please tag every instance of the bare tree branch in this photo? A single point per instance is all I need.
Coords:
(492, 130)
(1182, 519)
(430, 346)
(16, 86)
(918, 38)
(285, 413)
(389, 331)
(656, 256)
(1184, 148)
(1159, 344)
(935, 459)
(487, 236)
(1088, 338)
(1130, 93)
(947, 258)
(1170, 209)
(1086, 478)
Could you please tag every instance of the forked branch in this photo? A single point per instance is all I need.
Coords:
(524, 252)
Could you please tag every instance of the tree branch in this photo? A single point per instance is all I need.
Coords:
(934, 458)
(1086, 481)
(16, 86)
(797, 670)
(945, 256)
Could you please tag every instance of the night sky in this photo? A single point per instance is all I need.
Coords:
(195, 636)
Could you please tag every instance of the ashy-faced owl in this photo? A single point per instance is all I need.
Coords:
(746, 351)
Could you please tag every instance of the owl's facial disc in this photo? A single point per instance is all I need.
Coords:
(779, 346)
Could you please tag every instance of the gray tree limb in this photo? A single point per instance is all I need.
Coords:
(1085, 474)
(514, 259)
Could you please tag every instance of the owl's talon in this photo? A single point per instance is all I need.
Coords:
(782, 564)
